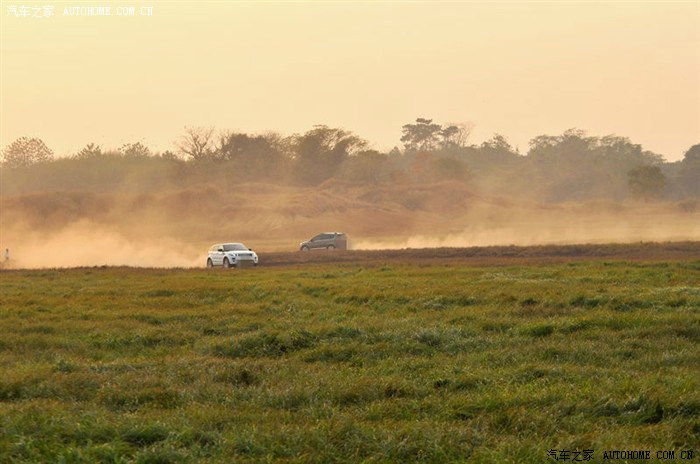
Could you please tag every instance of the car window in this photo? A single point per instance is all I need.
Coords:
(235, 247)
(318, 237)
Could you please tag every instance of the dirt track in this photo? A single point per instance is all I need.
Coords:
(494, 255)
(473, 256)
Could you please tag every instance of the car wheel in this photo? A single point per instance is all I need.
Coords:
(331, 247)
(227, 264)
(304, 248)
(209, 263)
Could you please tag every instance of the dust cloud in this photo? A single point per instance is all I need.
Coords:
(85, 243)
(174, 228)
(555, 230)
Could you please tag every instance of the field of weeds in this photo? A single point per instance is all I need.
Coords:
(348, 362)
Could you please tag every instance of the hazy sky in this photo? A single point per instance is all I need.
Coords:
(521, 69)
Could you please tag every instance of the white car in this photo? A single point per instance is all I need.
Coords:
(231, 255)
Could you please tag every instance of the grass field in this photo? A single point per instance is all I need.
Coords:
(350, 362)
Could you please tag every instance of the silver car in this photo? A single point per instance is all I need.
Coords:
(327, 240)
(231, 255)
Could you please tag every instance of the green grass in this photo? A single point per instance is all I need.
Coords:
(328, 363)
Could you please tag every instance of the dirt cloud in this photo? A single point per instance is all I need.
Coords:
(174, 228)
(85, 243)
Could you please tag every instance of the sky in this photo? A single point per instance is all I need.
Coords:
(521, 69)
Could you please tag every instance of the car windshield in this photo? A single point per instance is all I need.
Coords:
(235, 247)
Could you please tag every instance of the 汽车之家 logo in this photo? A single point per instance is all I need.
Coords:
(24, 11)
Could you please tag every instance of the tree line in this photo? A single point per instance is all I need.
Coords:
(573, 166)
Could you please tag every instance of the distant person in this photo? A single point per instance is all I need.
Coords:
(7, 254)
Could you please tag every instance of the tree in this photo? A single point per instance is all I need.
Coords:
(368, 166)
(575, 166)
(197, 142)
(89, 151)
(320, 152)
(169, 155)
(135, 150)
(689, 176)
(497, 147)
(646, 182)
(26, 151)
(242, 147)
(424, 135)
(455, 135)
(258, 153)
(692, 156)
(573, 145)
